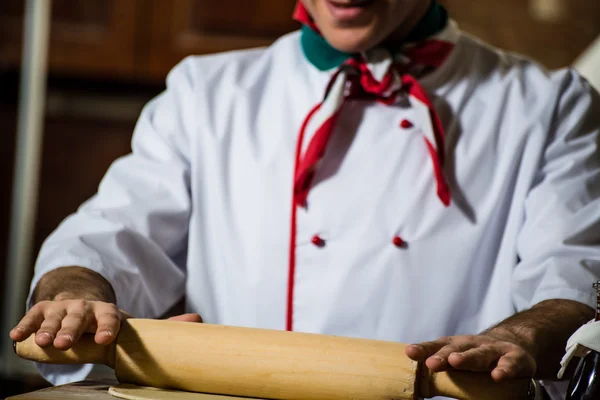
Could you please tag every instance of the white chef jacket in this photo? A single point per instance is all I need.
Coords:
(202, 205)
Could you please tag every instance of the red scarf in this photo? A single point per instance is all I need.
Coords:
(302, 16)
(383, 81)
(354, 79)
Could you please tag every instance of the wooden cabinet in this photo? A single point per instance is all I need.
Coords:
(88, 38)
(141, 40)
(518, 26)
(182, 27)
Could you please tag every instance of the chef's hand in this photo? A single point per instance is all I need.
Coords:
(187, 318)
(503, 357)
(61, 323)
(70, 301)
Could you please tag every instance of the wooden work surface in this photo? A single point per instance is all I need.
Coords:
(80, 390)
(99, 390)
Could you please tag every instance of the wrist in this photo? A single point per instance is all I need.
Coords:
(523, 336)
(73, 283)
(88, 296)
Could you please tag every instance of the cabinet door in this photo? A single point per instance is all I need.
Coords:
(180, 28)
(88, 37)
(553, 32)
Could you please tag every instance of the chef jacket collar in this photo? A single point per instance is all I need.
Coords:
(325, 57)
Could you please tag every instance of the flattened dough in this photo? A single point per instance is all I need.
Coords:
(133, 392)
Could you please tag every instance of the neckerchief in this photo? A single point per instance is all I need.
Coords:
(384, 74)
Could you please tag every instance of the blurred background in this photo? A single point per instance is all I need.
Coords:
(107, 58)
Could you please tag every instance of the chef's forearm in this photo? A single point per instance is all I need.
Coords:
(68, 283)
(544, 330)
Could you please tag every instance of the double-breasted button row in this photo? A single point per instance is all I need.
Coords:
(318, 241)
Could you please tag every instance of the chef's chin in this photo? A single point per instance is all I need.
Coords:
(361, 27)
(351, 40)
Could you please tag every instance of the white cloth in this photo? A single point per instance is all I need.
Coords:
(202, 205)
(580, 343)
(588, 64)
(556, 390)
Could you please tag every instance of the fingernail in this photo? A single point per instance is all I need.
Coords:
(19, 328)
(440, 359)
(66, 336)
(44, 334)
(106, 333)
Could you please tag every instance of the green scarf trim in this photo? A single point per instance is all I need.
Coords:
(324, 57)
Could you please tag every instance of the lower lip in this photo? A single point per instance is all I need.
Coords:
(347, 13)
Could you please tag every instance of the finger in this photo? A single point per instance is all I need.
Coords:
(49, 327)
(512, 365)
(420, 351)
(415, 352)
(73, 325)
(439, 361)
(108, 320)
(482, 358)
(29, 324)
(187, 318)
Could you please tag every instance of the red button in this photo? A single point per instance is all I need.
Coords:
(406, 124)
(398, 242)
(318, 241)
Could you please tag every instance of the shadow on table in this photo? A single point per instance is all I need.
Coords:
(18, 385)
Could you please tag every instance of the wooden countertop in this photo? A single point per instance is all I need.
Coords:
(81, 390)
(99, 390)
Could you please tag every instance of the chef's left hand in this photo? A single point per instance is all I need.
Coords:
(187, 318)
(500, 355)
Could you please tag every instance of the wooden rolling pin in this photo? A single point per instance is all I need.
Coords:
(270, 364)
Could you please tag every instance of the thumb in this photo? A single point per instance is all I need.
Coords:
(192, 317)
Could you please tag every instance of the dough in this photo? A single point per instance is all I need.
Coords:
(133, 392)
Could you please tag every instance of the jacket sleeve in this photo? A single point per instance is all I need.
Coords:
(559, 243)
(134, 230)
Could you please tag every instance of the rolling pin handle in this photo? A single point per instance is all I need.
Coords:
(467, 385)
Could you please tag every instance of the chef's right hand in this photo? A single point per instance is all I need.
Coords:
(61, 323)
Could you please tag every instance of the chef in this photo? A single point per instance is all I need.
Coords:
(377, 174)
